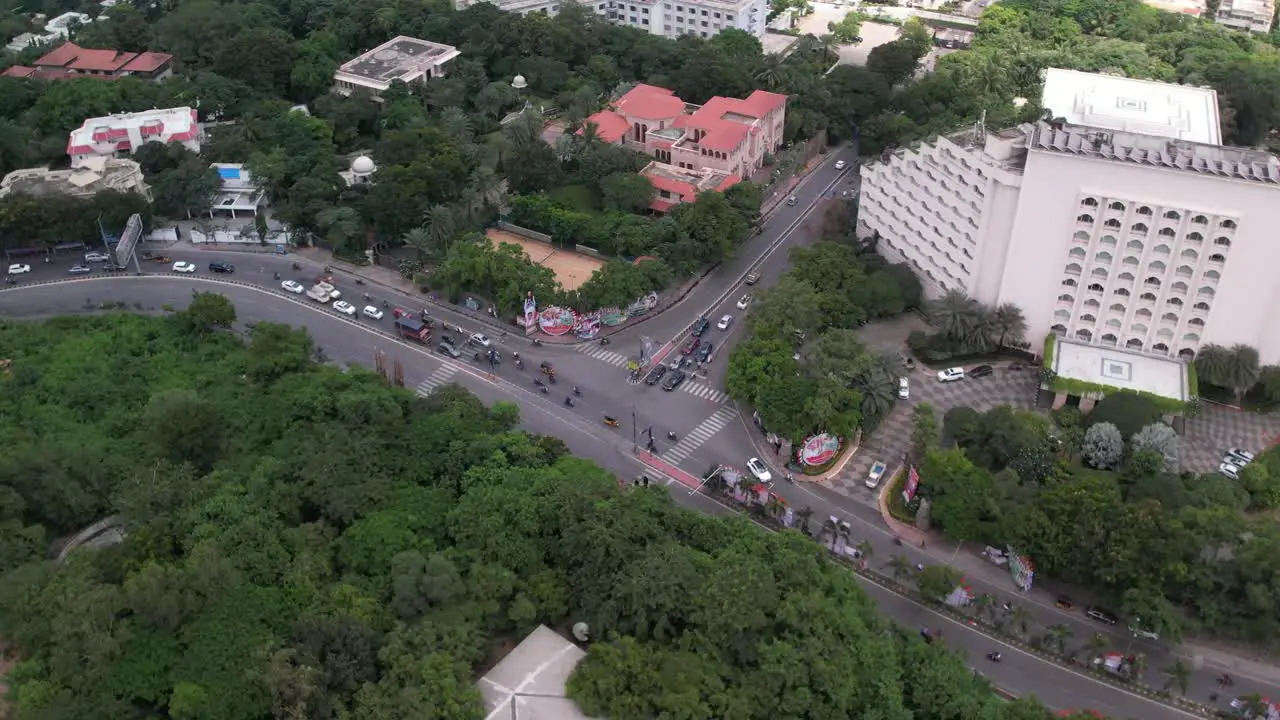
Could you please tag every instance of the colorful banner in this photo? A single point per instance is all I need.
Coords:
(557, 321)
(818, 449)
(1023, 571)
(913, 482)
(530, 310)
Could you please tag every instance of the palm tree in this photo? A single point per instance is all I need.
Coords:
(829, 46)
(879, 390)
(984, 603)
(456, 124)
(1058, 635)
(901, 567)
(1177, 675)
(1243, 370)
(1213, 364)
(1096, 644)
(441, 225)
(804, 514)
(1009, 324)
(420, 240)
(955, 315)
(1137, 665)
(1021, 619)
(770, 73)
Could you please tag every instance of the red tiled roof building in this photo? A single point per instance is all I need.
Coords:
(697, 148)
(69, 60)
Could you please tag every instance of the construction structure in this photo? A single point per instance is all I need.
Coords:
(93, 175)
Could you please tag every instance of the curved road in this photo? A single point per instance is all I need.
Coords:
(355, 342)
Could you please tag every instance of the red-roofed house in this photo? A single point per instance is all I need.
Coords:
(726, 134)
(697, 148)
(69, 60)
(674, 185)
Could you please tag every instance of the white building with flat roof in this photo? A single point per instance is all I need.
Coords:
(55, 31)
(402, 58)
(1121, 369)
(1252, 15)
(239, 194)
(120, 135)
(668, 18)
(1122, 224)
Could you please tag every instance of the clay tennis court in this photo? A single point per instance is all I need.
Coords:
(571, 269)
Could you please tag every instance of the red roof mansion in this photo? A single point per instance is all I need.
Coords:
(697, 147)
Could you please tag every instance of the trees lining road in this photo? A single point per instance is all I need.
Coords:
(344, 341)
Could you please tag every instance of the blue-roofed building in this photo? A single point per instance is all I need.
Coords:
(239, 196)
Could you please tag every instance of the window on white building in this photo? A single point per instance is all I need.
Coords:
(1143, 314)
(1099, 273)
(1140, 329)
(1122, 292)
(1103, 257)
(1172, 215)
(1179, 287)
(1175, 302)
(1077, 253)
(1139, 228)
(1217, 258)
(1085, 218)
(1072, 269)
(1147, 297)
(1092, 304)
(1228, 224)
(1200, 220)
(1112, 223)
(1096, 287)
(1135, 245)
(1202, 306)
(1144, 210)
(1213, 275)
(1117, 205)
(1196, 322)
(1117, 308)
(1157, 267)
(1168, 232)
(1171, 318)
(1087, 318)
(1160, 347)
(1089, 202)
(1153, 281)
(1134, 344)
(1066, 298)
(1108, 339)
(1109, 240)
(1084, 334)
(1191, 337)
(1222, 242)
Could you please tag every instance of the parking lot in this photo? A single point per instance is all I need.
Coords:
(1203, 441)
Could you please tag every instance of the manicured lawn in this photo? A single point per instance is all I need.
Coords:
(578, 197)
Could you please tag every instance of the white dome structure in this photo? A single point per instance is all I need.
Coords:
(519, 82)
(363, 166)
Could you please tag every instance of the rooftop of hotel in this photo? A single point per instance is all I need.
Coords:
(1120, 369)
(180, 123)
(400, 58)
(1143, 107)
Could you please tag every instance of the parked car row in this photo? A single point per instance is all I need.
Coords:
(957, 374)
(1233, 461)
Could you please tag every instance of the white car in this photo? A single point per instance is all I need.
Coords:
(184, 267)
(479, 339)
(904, 388)
(759, 470)
(725, 322)
(97, 257)
(743, 302)
(344, 307)
(840, 164)
(293, 287)
(1137, 631)
(875, 475)
(951, 374)
(1236, 456)
(19, 269)
(1231, 470)
(372, 312)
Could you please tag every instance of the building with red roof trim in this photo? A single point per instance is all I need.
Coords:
(69, 60)
(697, 147)
(119, 135)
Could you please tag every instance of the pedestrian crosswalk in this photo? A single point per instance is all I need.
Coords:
(699, 435)
(440, 377)
(607, 356)
(706, 393)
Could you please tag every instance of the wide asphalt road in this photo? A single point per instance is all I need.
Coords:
(355, 343)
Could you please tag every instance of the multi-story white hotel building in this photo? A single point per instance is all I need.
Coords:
(669, 18)
(1122, 222)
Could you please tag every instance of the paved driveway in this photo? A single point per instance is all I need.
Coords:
(889, 441)
(1217, 428)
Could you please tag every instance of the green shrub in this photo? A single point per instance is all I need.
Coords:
(1066, 417)
(1129, 412)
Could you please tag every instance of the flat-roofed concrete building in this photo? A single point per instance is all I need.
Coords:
(402, 58)
(1123, 370)
(239, 194)
(92, 176)
(1122, 222)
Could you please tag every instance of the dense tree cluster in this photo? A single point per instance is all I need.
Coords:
(802, 366)
(1104, 507)
(307, 542)
(964, 327)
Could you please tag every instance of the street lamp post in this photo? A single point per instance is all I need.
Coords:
(635, 439)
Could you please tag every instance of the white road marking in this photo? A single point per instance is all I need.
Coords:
(699, 435)
(605, 356)
(441, 376)
(706, 393)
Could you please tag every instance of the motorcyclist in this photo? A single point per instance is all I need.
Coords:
(576, 391)
(515, 355)
(537, 381)
(568, 401)
(994, 656)
(671, 436)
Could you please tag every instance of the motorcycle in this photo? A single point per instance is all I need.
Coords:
(994, 656)
(671, 436)
(537, 382)
(277, 276)
(359, 281)
(544, 390)
(610, 421)
(604, 341)
(576, 391)
(519, 364)
(568, 401)
(296, 266)
(537, 342)
(368, 297)
(386, 304)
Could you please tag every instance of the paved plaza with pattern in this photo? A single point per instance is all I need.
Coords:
(1203, 440)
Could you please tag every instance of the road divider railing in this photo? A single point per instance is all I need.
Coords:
(765, 518)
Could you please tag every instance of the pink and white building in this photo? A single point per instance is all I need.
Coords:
(714, 145)
(120, 135)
